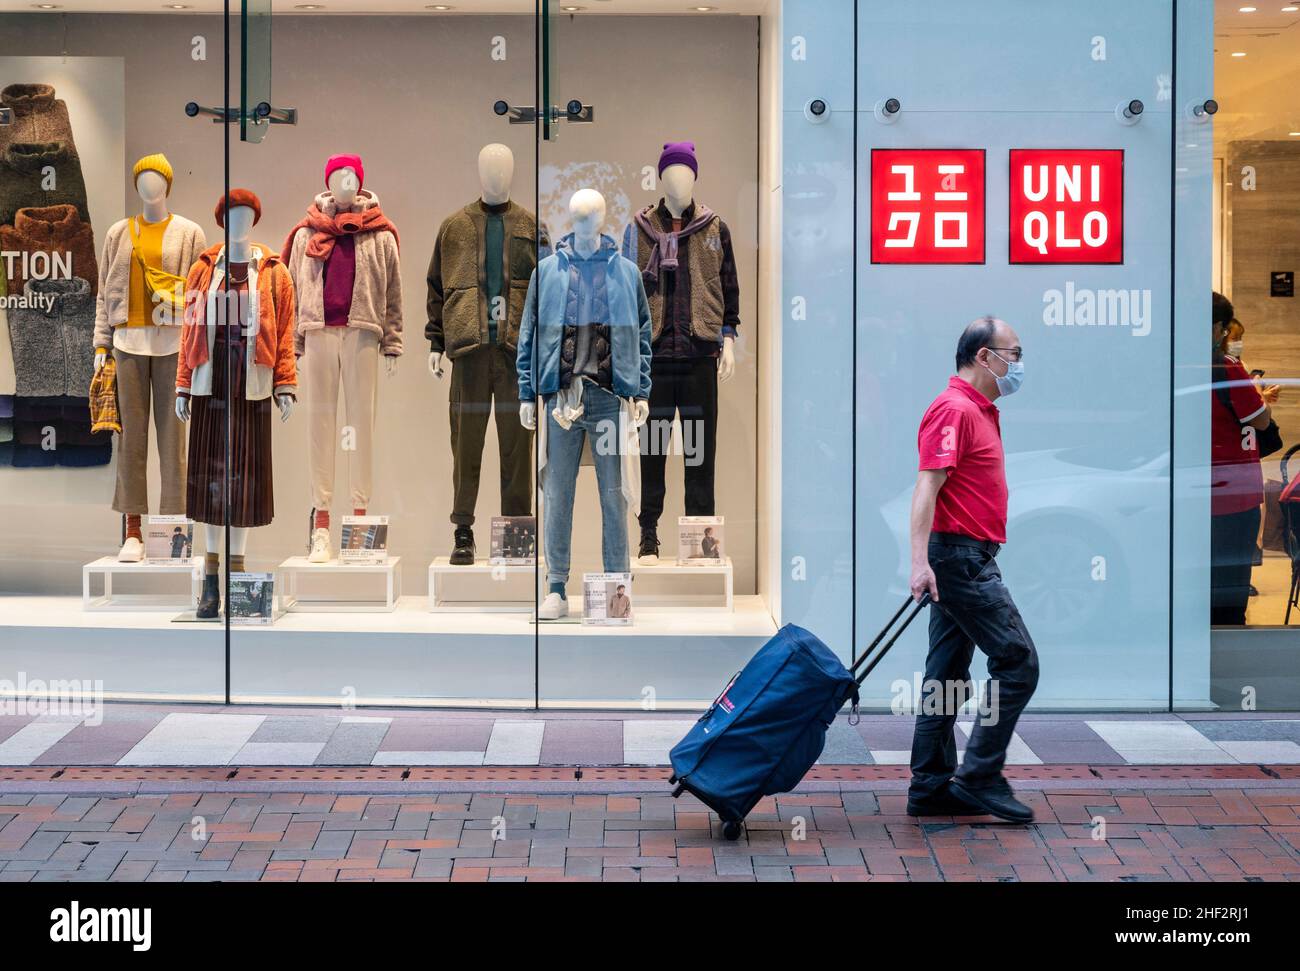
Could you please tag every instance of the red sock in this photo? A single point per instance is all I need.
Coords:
(358, 512)
(133, 527)
(322, 519)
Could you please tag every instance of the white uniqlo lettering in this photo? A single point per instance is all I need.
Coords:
(913, 219)
(1096, 229)
(1031, 193)
(909, 193)
(949, 173)
(955, 242)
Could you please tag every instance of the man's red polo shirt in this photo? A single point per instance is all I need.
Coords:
(960, 432)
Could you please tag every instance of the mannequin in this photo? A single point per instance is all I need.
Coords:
(478, 332)
(685, 254)
(230, 340)
(137, 319)
(343, 259)
(586, 355)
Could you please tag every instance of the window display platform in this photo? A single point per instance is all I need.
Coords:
(483, 574)
(108, 567)
(407, 657)
(291, 572)
(696, 601)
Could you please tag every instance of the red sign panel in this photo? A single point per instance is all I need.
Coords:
(1067, 205)
(927, 205)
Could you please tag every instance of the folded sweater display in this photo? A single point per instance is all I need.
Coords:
(40, 174)
(50, 229)
(53, 345)
(38, 116)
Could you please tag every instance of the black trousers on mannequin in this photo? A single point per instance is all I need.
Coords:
(688, 388)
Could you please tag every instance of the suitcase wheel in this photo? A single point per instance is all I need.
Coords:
(672, 778)
(731, 830)
(678, 791)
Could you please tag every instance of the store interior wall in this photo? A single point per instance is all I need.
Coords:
(417, 109)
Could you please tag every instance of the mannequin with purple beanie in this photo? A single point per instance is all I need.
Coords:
(684, 251)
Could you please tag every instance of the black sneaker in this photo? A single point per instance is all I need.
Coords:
(649, 550)
(462, 553)
(941, 803)
(997, 801)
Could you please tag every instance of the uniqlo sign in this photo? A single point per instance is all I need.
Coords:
(1067, 205)
(927, 205)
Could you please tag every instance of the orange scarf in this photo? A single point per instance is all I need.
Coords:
(326, 229)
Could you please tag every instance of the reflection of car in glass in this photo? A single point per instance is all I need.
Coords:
(1067, 506)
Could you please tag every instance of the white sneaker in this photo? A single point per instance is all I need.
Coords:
(553, 607)
(132, 551)
(320, 546)
(649, 559)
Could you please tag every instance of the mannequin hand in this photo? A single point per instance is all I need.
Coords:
(528, 415)
(640, 412)
(435, 364)
(390, 364)
(183, 407)
(727, 363)
(101, 356)
(285, 403)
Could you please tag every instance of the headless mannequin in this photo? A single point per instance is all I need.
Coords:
(587, 215)
(344, 186)
(239, 251)
(151, 186)
(496, 172)
(678, 183)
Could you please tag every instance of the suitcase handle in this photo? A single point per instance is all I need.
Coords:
(867, 657)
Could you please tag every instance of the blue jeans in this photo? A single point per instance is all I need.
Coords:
(563, 453)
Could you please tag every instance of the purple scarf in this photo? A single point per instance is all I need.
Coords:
(663, 255)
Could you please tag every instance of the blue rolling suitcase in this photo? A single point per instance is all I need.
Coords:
(765, 730)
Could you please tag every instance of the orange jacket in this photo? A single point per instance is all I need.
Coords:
(275, 325)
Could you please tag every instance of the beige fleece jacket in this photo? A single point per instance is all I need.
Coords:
(376, 289)
(182, 243)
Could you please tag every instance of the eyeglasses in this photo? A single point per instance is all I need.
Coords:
(1017, 353)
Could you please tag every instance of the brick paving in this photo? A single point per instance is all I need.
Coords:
(1219, 833)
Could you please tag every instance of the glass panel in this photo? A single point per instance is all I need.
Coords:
(969, 204)
(657, 612)
(1252, 512)
(255, 69)
(376, 428)
(97, 580)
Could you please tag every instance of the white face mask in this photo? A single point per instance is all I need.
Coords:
(1234, 348)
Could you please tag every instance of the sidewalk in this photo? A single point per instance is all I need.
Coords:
(157, 735)
(1219, 835)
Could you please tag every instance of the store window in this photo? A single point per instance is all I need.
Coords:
(1254, 371)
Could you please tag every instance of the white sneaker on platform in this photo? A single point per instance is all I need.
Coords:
(553, 607)
(132, 551)
(320, 546)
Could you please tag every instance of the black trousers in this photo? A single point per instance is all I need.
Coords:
(974, 610)
(1232, 554)
(688, 388)
(484, 382)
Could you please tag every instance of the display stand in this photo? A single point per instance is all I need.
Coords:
(108, 567)
(485, 573)
(291, 571)
(692, 601)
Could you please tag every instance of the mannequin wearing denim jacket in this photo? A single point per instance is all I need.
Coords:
(593, 376)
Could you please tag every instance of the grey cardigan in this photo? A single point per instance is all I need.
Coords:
(52, 348)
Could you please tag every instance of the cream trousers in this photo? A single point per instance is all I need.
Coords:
(350, 356)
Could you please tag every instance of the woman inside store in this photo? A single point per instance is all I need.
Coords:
(1239, 413)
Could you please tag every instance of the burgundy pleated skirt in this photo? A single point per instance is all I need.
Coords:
(251, 499)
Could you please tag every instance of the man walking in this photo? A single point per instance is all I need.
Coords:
(959, 521)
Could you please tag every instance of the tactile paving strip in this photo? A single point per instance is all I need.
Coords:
(604, 773)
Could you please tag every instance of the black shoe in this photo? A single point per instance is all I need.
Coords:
(996, 801)
(210, 602)
(649, 549)
(941, 803)
(462, 553)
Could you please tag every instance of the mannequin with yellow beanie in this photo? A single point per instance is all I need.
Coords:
(138, 317)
